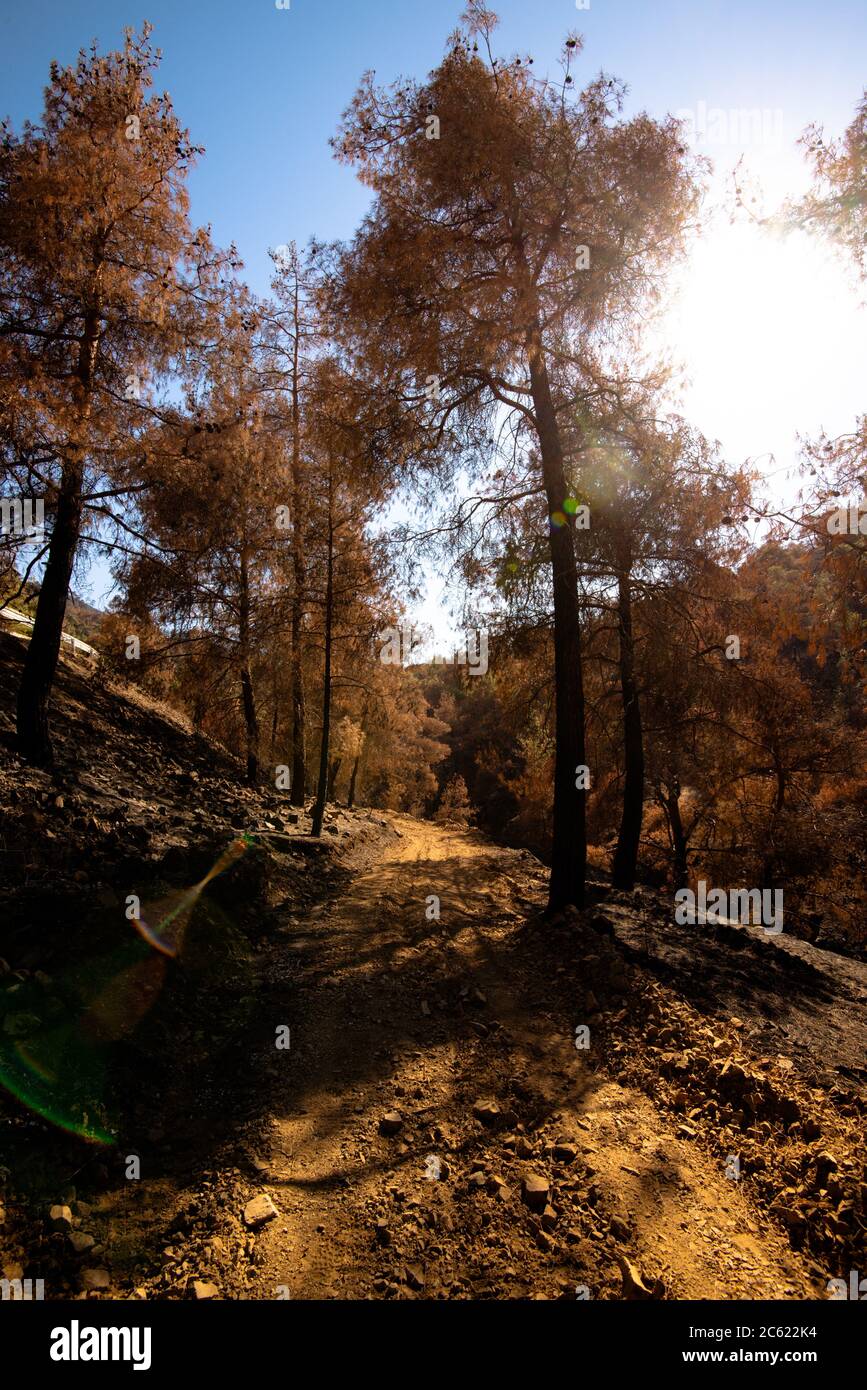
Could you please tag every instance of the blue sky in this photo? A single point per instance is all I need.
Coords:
(263, 89)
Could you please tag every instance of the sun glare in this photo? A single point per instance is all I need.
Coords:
(772, 339)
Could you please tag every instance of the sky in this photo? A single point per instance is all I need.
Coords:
(772, 335)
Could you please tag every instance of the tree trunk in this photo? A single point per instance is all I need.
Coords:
(251, 723)
(321, 790)
(40, 662)
(248, 698)
(299, 576)
(770, 858)
(350, 800)
(678, 836)
(299, 718)
(275, 713)
(332, 777)
(626, 854)
(569, 849)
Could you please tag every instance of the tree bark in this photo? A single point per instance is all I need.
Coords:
(332, 777)
(350, 800)
(321, 790)
(678, 836)
(248, 698)
(299, 715)
(629, 838)
(40, 662)
(569, 848)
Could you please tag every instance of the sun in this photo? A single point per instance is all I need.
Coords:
(771, 331)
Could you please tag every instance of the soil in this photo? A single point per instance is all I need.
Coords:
(364, 1077)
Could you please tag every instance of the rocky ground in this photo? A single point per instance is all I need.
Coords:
(363, 1073)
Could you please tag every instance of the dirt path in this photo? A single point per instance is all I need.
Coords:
(407, 1022)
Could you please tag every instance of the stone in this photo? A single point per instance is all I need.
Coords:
(259, 1211)
(487, 1111)
(415, 1276)
(618, 1229)
(634, 1286)
(733, 1075)
(565, 1153)
(203, 1290)
(80, 1242)
(549, 1219)
(534, 1192)
(60, 1216)
(95, 1279)
(391, 1123)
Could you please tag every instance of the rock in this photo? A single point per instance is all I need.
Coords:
(95, 1279)
(202, 1289)
(549, 1219)
(415, 1276)
(259, 1211)
(733, 1076)
(618, 1229)
(565, 1153)
(686, 1132)
(391, 1123)
(534, 1192)
(634, 1286)
(383, 1234)
(487, 1111)
(60, 1217)
(80, 1242)
(523, 1147)
(544, 1241)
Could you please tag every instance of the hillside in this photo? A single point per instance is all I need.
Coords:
(430, 1130)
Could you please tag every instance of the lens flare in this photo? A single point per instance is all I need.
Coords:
(171, 915)
(59, 1069)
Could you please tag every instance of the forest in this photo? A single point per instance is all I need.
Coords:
(622, 789)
